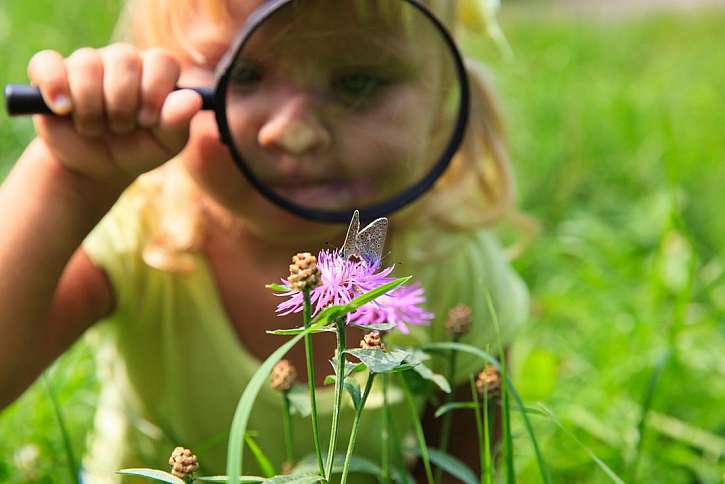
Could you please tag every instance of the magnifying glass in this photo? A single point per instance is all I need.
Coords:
(328, 107)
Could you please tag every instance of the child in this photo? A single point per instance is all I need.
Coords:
(174, 270)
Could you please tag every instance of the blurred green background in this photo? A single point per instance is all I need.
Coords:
(617, 132)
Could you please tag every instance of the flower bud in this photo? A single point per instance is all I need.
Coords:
(183, 463)
(372, 340)
(459, 320)
(303, 272)
(490, 380)
(283, 376)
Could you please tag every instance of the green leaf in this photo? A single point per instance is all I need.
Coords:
(278, 287)
(451, 465)
(376, 293)
(264, 463)
(249, 396)
(443, 409)
(295, 479)
(350, 367)
(416, 358)
(152, 474)
(242, 479)
(377, 360)
(299, 399)
(376, 327)
(352, 387)
(299, 330)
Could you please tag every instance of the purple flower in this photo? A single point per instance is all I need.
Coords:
(343, 280)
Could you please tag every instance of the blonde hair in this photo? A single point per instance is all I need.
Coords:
(476, 191)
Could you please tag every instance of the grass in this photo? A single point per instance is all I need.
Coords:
(616, 130)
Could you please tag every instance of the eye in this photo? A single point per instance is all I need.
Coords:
(245, 74)
(359, 86)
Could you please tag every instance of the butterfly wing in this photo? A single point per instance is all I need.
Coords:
(349, 247)
(371, 239)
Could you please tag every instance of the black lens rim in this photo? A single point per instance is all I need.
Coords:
(223, 73)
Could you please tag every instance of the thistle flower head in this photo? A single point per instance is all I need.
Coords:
(342, 280)
(283, 376)
(183, 463)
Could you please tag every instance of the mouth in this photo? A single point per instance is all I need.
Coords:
(325, 194)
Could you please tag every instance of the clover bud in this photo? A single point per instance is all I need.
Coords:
(490, 380)
(183, 463)
(459, 320)
(372, 340)
(283, 376)
(303, 272)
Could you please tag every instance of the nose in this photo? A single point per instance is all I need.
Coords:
(294, 128)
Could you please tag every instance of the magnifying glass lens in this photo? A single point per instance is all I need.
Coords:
(338, 106)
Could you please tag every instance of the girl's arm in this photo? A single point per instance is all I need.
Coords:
(46, 302)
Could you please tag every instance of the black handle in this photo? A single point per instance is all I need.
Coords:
(22, 100)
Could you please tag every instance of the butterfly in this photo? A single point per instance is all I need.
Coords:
(366, 244)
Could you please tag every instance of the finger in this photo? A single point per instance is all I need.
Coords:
(159, 76)
(176, 113)
(121, 86)
(85, 77)
(78, 153)
(46, 70)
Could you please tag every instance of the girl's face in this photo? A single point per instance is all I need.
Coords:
(329, 110)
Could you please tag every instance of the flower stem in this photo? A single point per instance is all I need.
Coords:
(385, 445)
(479, 429)
(338, 396)
(287, 428)
(355, 426)
(307, 316)
(418, 429)
(446, 424)
(488, 469)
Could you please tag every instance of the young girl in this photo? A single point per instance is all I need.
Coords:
(173, 271)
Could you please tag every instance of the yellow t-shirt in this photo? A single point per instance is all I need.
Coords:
(172, 369)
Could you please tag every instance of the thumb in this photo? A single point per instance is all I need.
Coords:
(178, 109)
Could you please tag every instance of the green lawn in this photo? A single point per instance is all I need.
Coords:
(618, 136)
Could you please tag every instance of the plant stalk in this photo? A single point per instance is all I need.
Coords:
(446, 424)
(479, 429)
(338, 396)
(355, 427)
(287, 428)
(418, 430)
(385, 437)
(488, 469)
(307, 316)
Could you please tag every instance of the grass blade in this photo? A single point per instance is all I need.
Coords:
(644, 411)
(154, 474)
(67, 446)
(543, 410)
(543, 469)
(264, 463)
(418, 429)
(246, 402)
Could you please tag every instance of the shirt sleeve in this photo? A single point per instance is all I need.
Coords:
(116, 245)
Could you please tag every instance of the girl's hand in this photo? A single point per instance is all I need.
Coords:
(119, 113)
